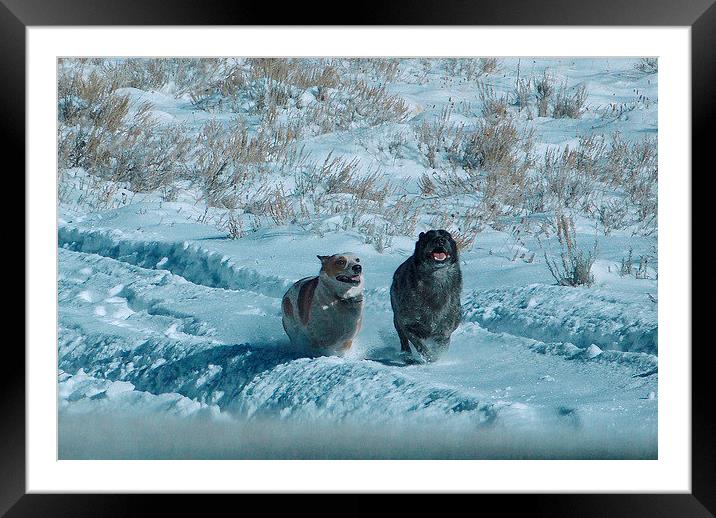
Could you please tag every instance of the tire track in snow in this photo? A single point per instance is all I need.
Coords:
(511, 311)
(564, 314)
(252, 379)
(196, 264)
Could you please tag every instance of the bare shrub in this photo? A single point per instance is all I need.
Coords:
(627, 264)
(397, 143)
(523, 93)
(634, 168)
(338, 184)
(232, 225)
(464, 239)
(426, 185)
(495, 159)
(642, 271)
(488, 65)
(368, 202)
(403, 214)
(439, 135)
(612, 215)
(565, 183)
(279, 207)
(464, 226)
(492, 145)
(544, 92)
(218, 155)
(372, 104)
(569, 105)
(492, 106)
(377, 69)
(574, 265)
(466, 69)
(322, 95)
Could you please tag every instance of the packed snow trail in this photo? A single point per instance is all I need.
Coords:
(219, 343)
(580, 316)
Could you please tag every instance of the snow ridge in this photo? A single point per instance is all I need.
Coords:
(191, 261)
(564, 314)
(268, 381)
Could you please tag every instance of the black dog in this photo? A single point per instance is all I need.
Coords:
(425, 295)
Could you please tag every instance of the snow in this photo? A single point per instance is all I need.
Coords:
(170, 332)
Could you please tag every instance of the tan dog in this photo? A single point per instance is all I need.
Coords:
(324, 313)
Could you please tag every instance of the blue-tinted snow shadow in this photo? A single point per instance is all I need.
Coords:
(216, 375)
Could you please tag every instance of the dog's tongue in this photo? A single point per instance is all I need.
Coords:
(439, 256)
(356, 278)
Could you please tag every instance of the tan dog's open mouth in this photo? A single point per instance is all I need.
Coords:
(354, 279)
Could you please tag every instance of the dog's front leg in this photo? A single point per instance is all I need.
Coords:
(404, 342)
(422, 349)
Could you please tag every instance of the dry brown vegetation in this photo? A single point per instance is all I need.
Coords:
(573, 267)
(569, 105)
(254, 170)
(119, 142)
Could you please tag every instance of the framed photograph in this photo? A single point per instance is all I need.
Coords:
(437, 251)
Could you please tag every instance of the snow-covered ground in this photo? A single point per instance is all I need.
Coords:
(170, 336)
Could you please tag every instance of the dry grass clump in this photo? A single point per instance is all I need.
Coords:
(99, 131)
(339, 181)
(357, 104)
(467, 69)
(439, 135)
(523, 93)
(382, 70)
(495, 158)
(338, 186)
(612, 215)
(182, 75)
(217, 166)
(569, 105)
(231, 164)
(497, 145)
(573, 267)
(633, 167)
(544, 92)
(258, 85)
(564, 180)
(567, 178)
(320, 95)
(626, 267)
(572, 177)
(488, 65)
(550, 101)
(492, 106)
(377, 233)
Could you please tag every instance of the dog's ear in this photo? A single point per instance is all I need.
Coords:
(323, 258)
(422, 235)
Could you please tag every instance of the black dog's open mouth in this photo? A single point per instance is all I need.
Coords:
(439, 255)
(355, 279)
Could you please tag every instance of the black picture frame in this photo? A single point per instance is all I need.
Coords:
(700, 15)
